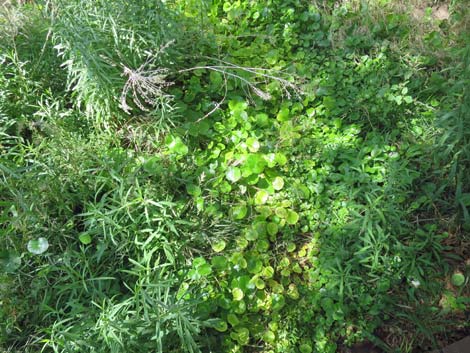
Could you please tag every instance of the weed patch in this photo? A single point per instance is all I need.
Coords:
(195, 176)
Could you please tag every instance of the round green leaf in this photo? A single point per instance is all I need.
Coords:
(215, 78)
(237, 294)
(278, 183)
(269, 337)
(254, 265)
(243, 336)
(242, 242)
(264, 211)
(260, 228)
(458, 279)
(280, 159)
(252, 144)
(293, 292)
(176, 145)
(268, 272)
(305, 348)
(283, 114)
(198, 262)
(270, 160)
(221, 326)
(261, 197)
(251, 235)
(290, 247)
(233, 174)
(85, 238)
(262, 245)
(262, 119)
(204, 270)
(152, 165)
(192, 273)
(239, 212)
(242, 282)
(225, 187)
(278, 302)
(242, 263)
(227, 6)
(281, 212)
(233, 319)
(285, 262)
(272, 228)
(259, 283)
(219, 262)
(219, 246)
(193, 190)
(254, 164)
(292, 217)
(38, 246)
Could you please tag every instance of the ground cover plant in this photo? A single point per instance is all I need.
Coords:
(234, 176)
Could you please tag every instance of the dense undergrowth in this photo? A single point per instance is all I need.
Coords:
(245, 176)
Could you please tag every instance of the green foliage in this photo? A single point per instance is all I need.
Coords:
(191, 176)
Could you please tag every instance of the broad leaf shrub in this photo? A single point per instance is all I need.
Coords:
(229, 177)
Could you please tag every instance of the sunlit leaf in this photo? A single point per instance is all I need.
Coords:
(38, 246)
(218, 246)
(278, 183)
(261, 197)
(233, 174)
(237, 294)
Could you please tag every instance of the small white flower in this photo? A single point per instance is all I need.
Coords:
(415, 283)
